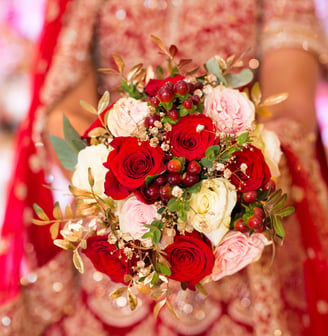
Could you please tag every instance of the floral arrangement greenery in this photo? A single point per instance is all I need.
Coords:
(174, 181)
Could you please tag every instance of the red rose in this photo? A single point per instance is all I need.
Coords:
(129, 163)
(155, 84)
(107, 259)
(257, 173)
(191, 259)
(187, 142)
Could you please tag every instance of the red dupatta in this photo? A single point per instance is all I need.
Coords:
(27, 185)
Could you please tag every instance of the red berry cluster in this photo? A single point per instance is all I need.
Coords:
(181, 92)
(175, 175)
(256, 219)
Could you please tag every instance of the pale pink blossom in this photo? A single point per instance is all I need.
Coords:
(231, 109)
(126, 116)
(236, 251)
(133, 215)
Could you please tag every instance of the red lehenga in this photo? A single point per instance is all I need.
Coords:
(42, 294)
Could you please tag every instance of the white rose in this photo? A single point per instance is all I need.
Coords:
(268, 142)
(211, 208)
(91, 157)
(231, 109)
(126, 115)
(133, 215)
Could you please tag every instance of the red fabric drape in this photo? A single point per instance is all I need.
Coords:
(27, 186)
(311, 216)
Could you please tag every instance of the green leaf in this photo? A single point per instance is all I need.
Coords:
(154, 278)
(280, 203)
(195, 188)
(212, 66)
(161, 210)
(173, 204)
(213, 152)
(285, 212)
(147, 235)
(206, 163)
(72, 137)
(164, 269)
(278, 228)
(237, 80)
(66, 155)
(40, 213)
(242, 138)
(156, 236)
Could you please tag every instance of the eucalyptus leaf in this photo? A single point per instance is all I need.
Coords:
(243, 78)
(212, 66)
(72, 137)
(66, 155)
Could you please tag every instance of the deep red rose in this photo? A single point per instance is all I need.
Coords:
(107, 259)
(155, 84)
(129, 163)
(191, 259)
(257, 172)
(187, 142)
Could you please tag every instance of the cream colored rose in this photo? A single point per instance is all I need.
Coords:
(268, 142)
(211, 208)
(236, 251)
(126, 115)
(133, 215)
(91, 157)
(231, 109)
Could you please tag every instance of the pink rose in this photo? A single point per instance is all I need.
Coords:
(126, 115)
(133, 215)
(236, 251)
(231, 109)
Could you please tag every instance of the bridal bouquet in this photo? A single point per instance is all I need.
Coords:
(173, 181)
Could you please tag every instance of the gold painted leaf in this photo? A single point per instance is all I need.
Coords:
(40, 222)
(132, 300)
(159, 305)
(143, 289)
(91, 178)
(201, 289)
(54, 228)
(117, 292)
(172, 310)
(103, 102)
(64, 244)
(134, 71)
(77, 261)
(96, 132)
(40, 213)
(275, 99)
(57, 213)
(68, 211)
(160, 44)
(88, 107)
(119, 63)
(108, 70)
(127, 278)
(256, 93)
(263, 111)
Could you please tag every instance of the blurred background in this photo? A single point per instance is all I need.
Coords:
(20, 26)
